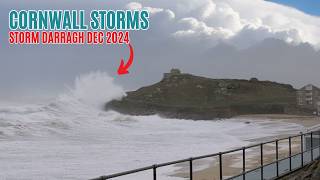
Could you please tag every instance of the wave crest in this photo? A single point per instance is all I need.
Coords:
(94, 89)
(80, 107)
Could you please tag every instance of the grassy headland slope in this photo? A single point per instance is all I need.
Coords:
(192, 97)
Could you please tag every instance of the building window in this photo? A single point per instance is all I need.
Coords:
(309, 88)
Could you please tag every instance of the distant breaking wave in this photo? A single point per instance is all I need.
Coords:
(83, 101)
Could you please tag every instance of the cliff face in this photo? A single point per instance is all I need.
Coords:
(192, 97)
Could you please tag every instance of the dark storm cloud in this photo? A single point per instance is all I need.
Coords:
(204, 50)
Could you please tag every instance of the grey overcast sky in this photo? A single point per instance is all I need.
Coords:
(213, 38)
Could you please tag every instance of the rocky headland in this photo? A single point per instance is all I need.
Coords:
(186, 96)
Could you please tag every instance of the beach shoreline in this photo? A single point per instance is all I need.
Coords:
(232, 163)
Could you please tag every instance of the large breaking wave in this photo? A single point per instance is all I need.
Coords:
(81, 103)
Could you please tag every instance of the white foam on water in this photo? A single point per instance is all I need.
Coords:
(74, 138)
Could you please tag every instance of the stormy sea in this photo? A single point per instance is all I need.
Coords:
(73, 137)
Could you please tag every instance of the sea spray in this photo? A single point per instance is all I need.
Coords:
(94, 89)
(81, 106)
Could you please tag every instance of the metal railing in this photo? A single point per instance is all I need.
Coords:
(262, 169)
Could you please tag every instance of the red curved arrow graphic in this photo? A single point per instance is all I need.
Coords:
(123, 68)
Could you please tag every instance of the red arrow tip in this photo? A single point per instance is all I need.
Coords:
(123, 68)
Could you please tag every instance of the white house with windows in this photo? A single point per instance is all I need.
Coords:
(309, 97)
(318, 108)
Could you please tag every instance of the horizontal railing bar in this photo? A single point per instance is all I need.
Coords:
(173, 162)
(206, 156)
(99, 178)
(268, 142)
(212, 155)
(126, 172)
(233, 150)
(280, 139)
(312, 148)
(317, 147)
(298, 135)
(286, 138)
(285, 158)
(263, 143)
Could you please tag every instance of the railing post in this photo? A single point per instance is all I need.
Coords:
(261, 160)
(220, 165)
(191, 169)
(290, 160)
(155, 172)
(244, 162)
(311, 144)
(301, 140)
(277, 157)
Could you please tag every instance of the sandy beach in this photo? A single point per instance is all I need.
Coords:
(232, 163)
(306, 121)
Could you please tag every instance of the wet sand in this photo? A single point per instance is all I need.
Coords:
(232, 163)
(306, 121)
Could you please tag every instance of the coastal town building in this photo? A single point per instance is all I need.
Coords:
(309, 97)
(173, 72)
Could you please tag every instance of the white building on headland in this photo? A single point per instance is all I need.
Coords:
(318, 108)
(309, 97)
(173, 72)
